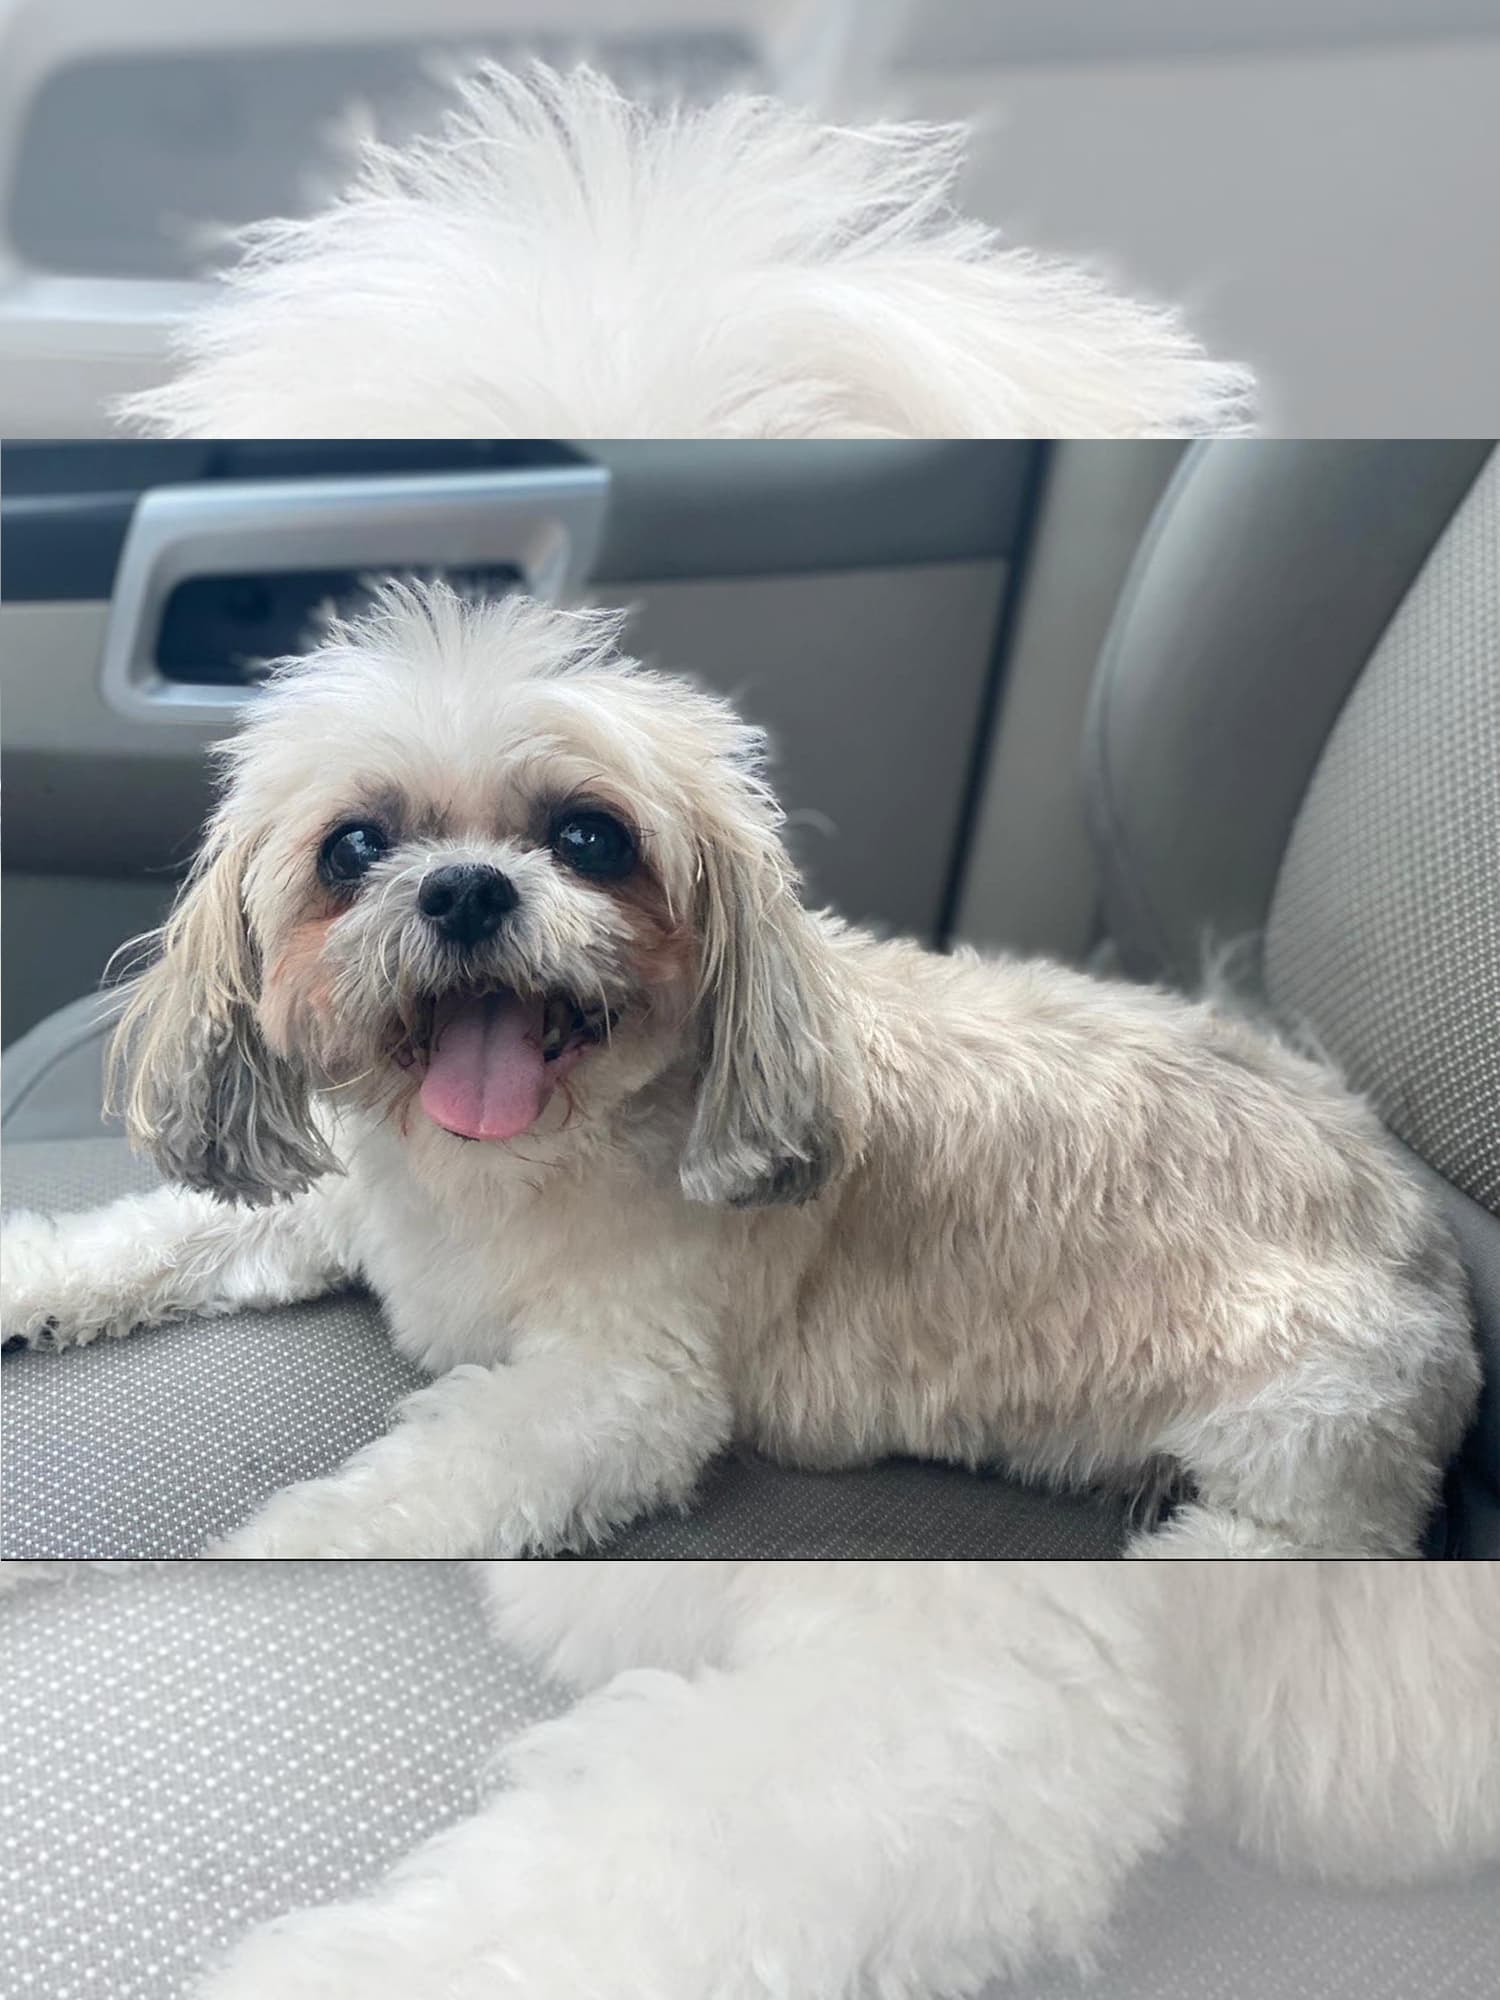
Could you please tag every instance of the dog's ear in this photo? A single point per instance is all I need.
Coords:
(773, 1089)
(199, 1088)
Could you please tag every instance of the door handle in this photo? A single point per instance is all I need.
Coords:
(543, 523)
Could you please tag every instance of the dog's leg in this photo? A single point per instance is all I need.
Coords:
(552, 1451)
(1343, 1717)
(908, 1780)
(1197, 1533)
(586, 1622)
(69, 1279)
(1339, 1455)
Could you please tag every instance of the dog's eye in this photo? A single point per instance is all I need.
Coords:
(594, 844)
(351, 851)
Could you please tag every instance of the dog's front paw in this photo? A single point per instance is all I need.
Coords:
(46, 1301)
(349, 1515)
(437, 1943)
(1197, 1533)
(345, 1952)
(309, 1521)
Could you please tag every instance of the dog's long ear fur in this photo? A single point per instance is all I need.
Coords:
(775, 1088)
(199, 1088)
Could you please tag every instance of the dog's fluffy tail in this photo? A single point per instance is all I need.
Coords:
(1344, 1717)
(560, 259)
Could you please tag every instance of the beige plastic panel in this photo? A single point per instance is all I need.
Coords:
(870, 682)
(1029, 881)
(58, 932)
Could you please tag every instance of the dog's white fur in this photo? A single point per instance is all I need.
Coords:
(561, 260)
(845, 1781)
(838, 1197)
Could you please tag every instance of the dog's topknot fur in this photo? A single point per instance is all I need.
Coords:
(560, 259)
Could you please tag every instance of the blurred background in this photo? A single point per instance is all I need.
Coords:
(1314, 180)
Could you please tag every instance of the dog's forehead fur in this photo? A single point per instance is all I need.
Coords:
(561, 259)
(451, 718)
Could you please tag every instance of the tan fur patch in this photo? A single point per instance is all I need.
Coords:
(297, 984)
(665, 947)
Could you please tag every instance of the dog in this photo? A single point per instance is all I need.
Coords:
(560, 260)
(827, 1780)
(491, 987)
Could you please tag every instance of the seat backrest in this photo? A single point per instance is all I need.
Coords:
(1295, 737)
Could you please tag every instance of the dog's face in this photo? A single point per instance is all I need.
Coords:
(474, 869)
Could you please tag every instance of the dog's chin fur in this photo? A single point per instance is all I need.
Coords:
(559, 260)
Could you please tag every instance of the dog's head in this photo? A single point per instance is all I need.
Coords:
(474, 868)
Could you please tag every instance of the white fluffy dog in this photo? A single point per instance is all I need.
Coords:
(560, 260)
(491, 987)
(838, 1781)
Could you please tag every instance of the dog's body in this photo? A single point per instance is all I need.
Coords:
(839, 1197)
(827, 1781)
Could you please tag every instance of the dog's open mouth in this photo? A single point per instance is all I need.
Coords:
(495, 1058)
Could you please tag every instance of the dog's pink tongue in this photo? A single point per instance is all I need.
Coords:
(487, 1076)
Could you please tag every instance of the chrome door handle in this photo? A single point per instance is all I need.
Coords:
(544, 522)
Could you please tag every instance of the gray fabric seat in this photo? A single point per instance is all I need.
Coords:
(298, 1772)
(1295, 735)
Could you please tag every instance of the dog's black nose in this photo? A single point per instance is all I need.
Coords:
(466, 902)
